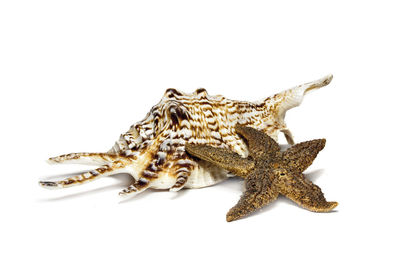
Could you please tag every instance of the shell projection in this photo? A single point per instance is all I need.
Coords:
(153, 150)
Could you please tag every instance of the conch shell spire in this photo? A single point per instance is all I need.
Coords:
(292, 98)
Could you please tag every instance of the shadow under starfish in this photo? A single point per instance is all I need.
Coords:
(268, 172)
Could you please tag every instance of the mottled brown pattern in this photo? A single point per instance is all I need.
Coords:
(223, 158)
(268, 172)
(153, 149)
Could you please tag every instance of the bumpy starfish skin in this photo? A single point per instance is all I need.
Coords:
(268, 172)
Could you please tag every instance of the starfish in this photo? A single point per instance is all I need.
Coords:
(268, 172)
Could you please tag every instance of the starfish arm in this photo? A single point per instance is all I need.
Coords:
(259, 192)
(305, 193)
(259, 142)
(223, 158)
(299, 157)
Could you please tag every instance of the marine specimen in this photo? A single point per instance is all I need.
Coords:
(153, 150)
(268, 172)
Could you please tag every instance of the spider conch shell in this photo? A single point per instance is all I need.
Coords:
(153, 150)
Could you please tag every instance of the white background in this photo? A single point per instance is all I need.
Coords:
(74, 75)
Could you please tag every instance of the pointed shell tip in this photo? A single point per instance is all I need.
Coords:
(328, 79)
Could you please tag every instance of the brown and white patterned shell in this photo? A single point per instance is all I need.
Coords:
(158, 141)
(153, 150)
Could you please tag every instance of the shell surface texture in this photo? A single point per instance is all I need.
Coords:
(153, 152)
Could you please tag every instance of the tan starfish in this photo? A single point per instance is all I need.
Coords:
(268, 172)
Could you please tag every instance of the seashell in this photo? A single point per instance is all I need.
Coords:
(153, 150)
